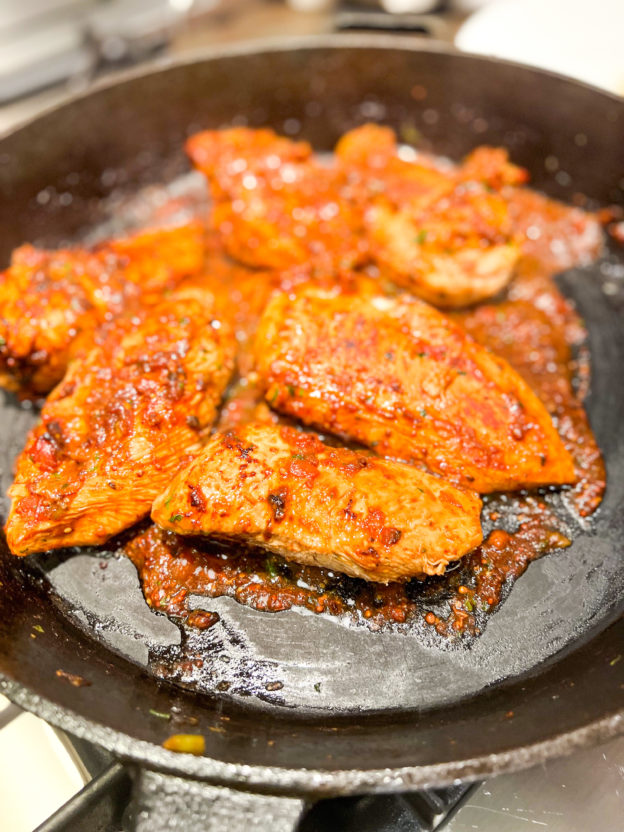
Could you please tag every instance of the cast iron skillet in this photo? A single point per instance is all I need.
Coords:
(546, 676)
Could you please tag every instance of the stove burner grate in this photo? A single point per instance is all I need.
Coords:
(105, 804)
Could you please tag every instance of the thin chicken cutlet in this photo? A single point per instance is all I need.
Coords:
(120, 424)
(400, 377)
(53, 301)
(288, 492)
(275, 204)
(443, 234)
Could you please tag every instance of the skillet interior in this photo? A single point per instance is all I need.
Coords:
(426, 711)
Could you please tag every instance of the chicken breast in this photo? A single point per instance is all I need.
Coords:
(289, 493)
(120, 424)
(491, 166)
(276, 205)
(443, 234)
(398, 376)
(454, 253)
(52, 300)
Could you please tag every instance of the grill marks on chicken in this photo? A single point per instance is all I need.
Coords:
(51, 302)
(398, 376)
(276, 205)
(289, 493)
(120, 424)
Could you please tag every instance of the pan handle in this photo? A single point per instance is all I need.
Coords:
(161, 802)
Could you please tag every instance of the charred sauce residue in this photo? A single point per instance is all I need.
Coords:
(534, 328)
(173, 568)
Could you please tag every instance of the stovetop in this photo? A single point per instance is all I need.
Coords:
(582, 793)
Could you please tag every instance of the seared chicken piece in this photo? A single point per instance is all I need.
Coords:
(276, 205)
(52, 300)
(120, 424)
(454, 253)
(378, 171)
(289, 493)
(491, 166)
(400, 377)
(444, 235)
(536, 337)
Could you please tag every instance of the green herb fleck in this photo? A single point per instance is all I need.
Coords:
(185, 320)
(422, 412)
(275, 395)
(38, 628)
(614, 661)
(270, 568)
(317, 687)
(94, 466)
(421, 354)
(297, 456)
(389, 356)
(462, 373)
(410, 134)
(175, 518)
(159, 714)
(291, 390)
(468, 603)
(421, 237)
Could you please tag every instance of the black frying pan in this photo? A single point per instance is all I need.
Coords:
(356, 711)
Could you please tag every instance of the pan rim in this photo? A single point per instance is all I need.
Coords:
(282, 43)
(302, 782)
(299, 781)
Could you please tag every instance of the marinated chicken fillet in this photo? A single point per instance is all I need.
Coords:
(398, 376)
(443, 234)
(120, 424)
(453, 254)
(289, 493)
(51, 301)
(275, 204)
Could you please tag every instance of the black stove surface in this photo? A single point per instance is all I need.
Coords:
(105, 804)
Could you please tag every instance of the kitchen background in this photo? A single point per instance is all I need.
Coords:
(49, 48)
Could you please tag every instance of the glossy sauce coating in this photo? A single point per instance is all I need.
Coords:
(538, 332)
(522, 527)
(276, 205)
(120, 424)
(51, 302)
(443, 233)
(401, 378)
(287, 492)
